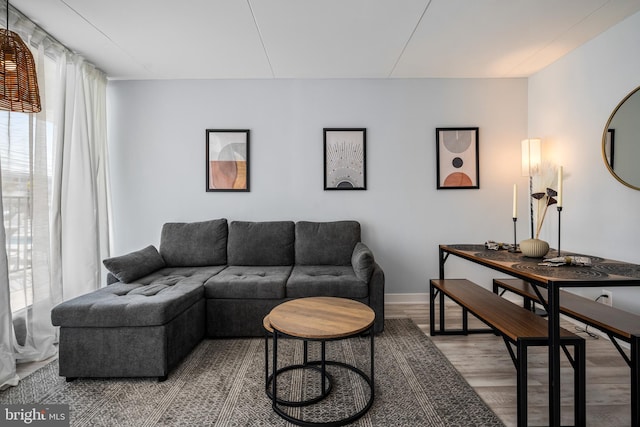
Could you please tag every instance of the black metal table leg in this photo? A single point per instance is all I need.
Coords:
(635, 380)
(369, 379)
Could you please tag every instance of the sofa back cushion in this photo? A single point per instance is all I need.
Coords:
(194, 244)
(326, 243)
(261, 243)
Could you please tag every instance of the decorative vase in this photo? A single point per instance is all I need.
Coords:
(534, 248)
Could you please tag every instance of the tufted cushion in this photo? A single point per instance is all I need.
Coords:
(151, 301)
(260, 243)
(132, 266)
(325, 280)
(326, 243)
(239, 282)
(194, 244)
(362, 262)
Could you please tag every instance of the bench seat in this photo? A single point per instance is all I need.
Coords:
(517, 325)
(616, 323)
(611, 320)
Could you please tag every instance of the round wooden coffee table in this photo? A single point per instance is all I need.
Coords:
(319, 319)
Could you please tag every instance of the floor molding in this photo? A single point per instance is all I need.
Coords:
(416, 298)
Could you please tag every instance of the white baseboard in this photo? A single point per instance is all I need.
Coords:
(417, 298)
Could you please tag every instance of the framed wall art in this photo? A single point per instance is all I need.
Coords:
(227, 160)
(457, 158)
(345, 155)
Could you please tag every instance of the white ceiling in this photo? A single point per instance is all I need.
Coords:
(198, 39)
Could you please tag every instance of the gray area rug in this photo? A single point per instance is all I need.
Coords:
(222, 383)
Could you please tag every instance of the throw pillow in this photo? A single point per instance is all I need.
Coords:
(135, 265)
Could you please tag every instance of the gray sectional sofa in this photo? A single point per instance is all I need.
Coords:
(214, 279)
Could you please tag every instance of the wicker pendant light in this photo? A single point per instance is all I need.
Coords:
(18, 80)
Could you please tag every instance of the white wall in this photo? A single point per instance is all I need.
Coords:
(157, 147)
(569, 105)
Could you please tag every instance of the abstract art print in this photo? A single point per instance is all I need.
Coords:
(457, 158)
(345, 156)
(227, 160)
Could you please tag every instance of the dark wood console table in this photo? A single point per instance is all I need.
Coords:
(602, 273)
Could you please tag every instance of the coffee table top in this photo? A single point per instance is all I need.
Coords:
(321, 317)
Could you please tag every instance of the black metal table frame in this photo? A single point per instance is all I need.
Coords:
(320, 365)
(553, 309)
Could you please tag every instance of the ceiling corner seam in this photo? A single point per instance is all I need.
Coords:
(415, 28)
(264, 47)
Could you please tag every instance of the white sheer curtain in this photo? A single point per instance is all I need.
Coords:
(68, 201)
(80, 196)
(7, 357)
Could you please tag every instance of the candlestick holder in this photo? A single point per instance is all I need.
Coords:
(515, 240)
(559, 222)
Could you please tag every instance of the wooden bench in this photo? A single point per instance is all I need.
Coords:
(517, 325)
(617, 324)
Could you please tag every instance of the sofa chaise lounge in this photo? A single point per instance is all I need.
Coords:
(210, 278)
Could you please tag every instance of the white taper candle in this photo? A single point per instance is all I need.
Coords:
(560, 187)
(515, 200)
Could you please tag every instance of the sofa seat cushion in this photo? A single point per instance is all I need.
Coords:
(325, 280)
(248, 282)
(153, 300)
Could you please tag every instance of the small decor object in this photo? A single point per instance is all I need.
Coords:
(18, 80)
(227, 160)
(345, 155)
(580, 261)
(457, 158)
(534, 248)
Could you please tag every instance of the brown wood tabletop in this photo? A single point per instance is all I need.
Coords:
(266, 323)
(321, 317)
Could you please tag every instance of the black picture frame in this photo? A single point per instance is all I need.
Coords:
(227, 160)
(345, 158)
(457, 157)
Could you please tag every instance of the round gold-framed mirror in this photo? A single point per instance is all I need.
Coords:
(621, 141)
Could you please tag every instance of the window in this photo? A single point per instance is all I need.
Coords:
(17, 144)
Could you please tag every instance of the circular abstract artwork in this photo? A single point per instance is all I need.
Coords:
(457, 179)
(457, 157)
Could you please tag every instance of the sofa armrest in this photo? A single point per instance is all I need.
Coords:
(376, 297)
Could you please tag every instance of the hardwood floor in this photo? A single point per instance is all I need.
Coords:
(484, 362)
